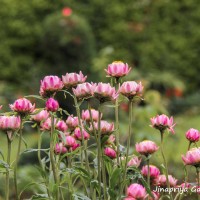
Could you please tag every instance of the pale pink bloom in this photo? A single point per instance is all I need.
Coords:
(75, 146)
(84, 90)
(162, 122)
(111, 153)
(131, 89)
(61, 126)
(146, 147)
(60, 148)
(110, 140)
(162, 182)
(193, 135)
(41, 116)
(46, 125)
(117, 69)
(9, 123)
(156, 196)
(70, 141)
(22, 106)
(136, 191)
(50, 85)
(104, 92)
(154, 171)
(185, 185)
(192, 157)
(72, 122)
(66, 12)
(129, 198)
(134, 162)
(52, 105)
(105, 127)
(94, 113)
(78, 135)
(73, 79)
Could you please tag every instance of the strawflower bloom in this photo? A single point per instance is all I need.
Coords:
(154, 171)
(75, 146)
(52, 105)
(94, 113)
(78, 135)
(105, 127)
(146, 147)
(193, 135)
(136, 191)
(49, 85)
(130, 89)
(192, 157)
(9, 123)
(46, 125)
(111, 153)
(73, 79)
(70, 141)
(110, 140)
(129, 198)
(61, 126)
(162, 122)
(162, 182)
(22, 106)
(117, 69)
(134, 162)
(60, 148)
(104, 92)
(72, 122)
(41, 116)
(84, 90)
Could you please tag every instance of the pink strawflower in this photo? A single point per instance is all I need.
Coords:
(78, 135)
(94, 113)
(156, 196)
(22, 106)
(192, 157)
(60, 148)
(61, 126)
(49, 85)
(185, 185)
(134, 162)
(146, 147)
(136, 191)
(72, 122)
(117, 69)
(162, 182)
(41, 116)
(162, 122)
(75, 146)
(154, 171)
(104, 92)
(84, 90)
(52, 105)
(193, 135)
(131, 89)
(70, 141)
(111, 153)
(105, 127)
(46, 125)
(66, 12)
(129, 198)
(73, 79)
(9, 123)
(110, 140)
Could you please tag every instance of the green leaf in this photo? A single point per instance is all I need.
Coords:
(4, 165)
(84, 173)
(35, 96)
(80, 197)
(104, 140)
(1, 153)
(114, 180)
(39, 197)
(34, 150)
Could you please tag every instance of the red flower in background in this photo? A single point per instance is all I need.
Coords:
(66, 11)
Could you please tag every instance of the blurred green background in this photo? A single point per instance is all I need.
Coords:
(159, 39)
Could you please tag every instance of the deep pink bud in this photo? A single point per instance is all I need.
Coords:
(50, 85)
(110, 152)
(131, 89)
(41, 116)
(61, 126)
(136, 191)
(52, 105)
(9, 123)
(104, 92)
(117, 69)
(70, 141)
(193, 135)
(60, 148)
(94, 113)
(162, 181)
(78, 135)
(146, 147)
(75, 146)
(72, 122)
(162, 122)
(192, 157)
(134, 162)
(22, 106)
(105, 127)
(73, 79)
(154, 171)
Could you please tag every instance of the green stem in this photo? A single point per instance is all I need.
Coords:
(189, 145)
(128, 145)
(198, 181)
(104, 180)
(17, 159)
(165, 163)
(148, 175)
(8, 170)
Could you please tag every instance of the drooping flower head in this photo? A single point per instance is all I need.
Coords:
(146, 147)
(110, 152)
(78, 135)
(136, 191)
(40, 116)
(192, 135)
(94, 113)
(192, 157)
(52, 105)
(49, 85)
(22, 106)
(134, 162)
(84, 90)
(104, 92)
(9, 123)
(162, 181)
(154, 171)
(117, 69)
(73, 79)
(162, 122)
(131, 89)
